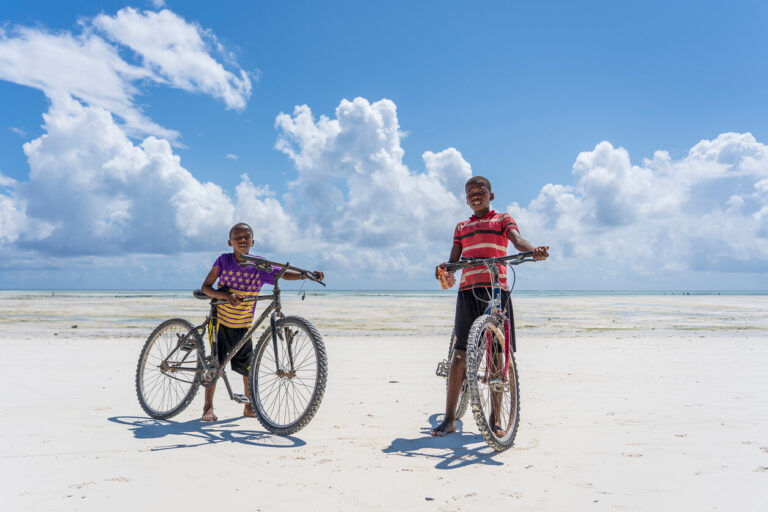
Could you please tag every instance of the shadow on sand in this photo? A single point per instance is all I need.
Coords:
(453, 450)
(192, 433)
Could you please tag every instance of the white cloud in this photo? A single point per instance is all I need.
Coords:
(85, 66)
(99, 193)
(6, 181)
(231, 156)
(704, 212)
(177, 52)
(357, 191)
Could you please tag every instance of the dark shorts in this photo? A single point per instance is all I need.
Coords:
(227, 338)
(471, 304)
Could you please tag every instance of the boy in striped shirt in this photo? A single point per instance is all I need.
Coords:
(484, 235)
(235, 283)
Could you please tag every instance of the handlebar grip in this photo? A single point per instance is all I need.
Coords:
(314, 277)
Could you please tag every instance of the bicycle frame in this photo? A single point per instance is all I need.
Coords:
(494, 307)
(212, 369)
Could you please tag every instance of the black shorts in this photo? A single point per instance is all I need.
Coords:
(227, 338)
(471, 304)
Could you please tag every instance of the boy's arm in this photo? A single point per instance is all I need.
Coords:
(523, 245)
(209, 290)
(295, 276)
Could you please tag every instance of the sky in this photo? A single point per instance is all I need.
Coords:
(631, 138)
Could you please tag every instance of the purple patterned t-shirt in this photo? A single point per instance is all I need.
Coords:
(245, 280)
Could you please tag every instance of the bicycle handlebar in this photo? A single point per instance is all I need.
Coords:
(512, 259)
(198, 294)
(267, 266)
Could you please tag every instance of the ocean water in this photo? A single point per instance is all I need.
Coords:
(121, 314)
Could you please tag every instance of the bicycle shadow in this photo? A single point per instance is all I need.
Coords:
(455, 448)
(201, 433)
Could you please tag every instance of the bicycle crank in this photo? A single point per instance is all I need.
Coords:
(210, 372)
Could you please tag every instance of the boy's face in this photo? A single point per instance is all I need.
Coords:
(241, 240)
(479, 197)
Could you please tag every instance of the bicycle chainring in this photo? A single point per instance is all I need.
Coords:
(210, 372)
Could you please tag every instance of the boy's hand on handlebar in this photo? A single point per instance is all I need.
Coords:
(319, 275)
(446, 278)
(541, 253)
(234, 299)
(442, 266)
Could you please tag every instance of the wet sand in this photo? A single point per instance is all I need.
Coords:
(628, 403)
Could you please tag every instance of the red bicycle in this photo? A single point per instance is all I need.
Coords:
(491, 383)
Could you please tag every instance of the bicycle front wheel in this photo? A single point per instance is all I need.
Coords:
(168, 373)
(287, 386)
(461, 406)
(495, 394)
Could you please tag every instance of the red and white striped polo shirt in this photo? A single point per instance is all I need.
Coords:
(483, 238)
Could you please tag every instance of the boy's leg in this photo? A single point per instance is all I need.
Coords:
(496, 372)
(248, 409)
(455, 381)
(467, 309)
(241, 364)
(208, 414)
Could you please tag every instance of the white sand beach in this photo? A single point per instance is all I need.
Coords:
(628, 403)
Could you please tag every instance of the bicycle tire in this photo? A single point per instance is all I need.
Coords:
(162, 394)
(284, 404)
(461, 406)
(479, 359)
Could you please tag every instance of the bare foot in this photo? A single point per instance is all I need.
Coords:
(248, 411)
(208, 414)
(495, 427)
(443, 429)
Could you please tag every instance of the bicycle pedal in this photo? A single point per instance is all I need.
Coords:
(498, 385)
(239, 398)
(443, 367)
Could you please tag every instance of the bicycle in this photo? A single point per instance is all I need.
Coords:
(491, 384)
(288, 368)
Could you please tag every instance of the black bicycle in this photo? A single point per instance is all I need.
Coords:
(288, 369)
(491, 384)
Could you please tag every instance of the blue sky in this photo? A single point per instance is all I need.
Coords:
(630, 138)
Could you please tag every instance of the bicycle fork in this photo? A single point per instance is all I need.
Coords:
(288, 339)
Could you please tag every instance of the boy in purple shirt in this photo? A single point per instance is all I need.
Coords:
(236, 316)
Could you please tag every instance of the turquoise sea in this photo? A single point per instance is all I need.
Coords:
(386, 293)
(120, 314)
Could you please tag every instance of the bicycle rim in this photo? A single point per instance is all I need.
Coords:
(167, 376)
(495, 393)
(285, 397)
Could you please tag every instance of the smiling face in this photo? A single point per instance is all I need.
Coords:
(479, 198)
(240, 239)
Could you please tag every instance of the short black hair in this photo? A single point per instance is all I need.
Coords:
(478, 179)
(240, 225)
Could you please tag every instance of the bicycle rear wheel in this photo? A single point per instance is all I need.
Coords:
(286, 389)
(461, 406)
(495, 394)
(169, 369)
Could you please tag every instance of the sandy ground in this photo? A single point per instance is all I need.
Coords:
(668, 416)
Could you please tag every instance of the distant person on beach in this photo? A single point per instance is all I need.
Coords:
(235, 317)
(484, 235)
